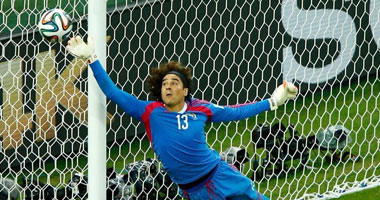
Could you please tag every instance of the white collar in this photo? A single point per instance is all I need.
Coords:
(183, 109)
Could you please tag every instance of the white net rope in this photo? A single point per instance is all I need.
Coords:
(239, 52)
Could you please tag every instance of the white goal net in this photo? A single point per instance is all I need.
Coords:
(323, 145)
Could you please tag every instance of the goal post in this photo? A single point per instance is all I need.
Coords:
(97, 162)
(239, 51)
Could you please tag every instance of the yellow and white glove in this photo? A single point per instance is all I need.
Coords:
(282, 93)
(78, 48)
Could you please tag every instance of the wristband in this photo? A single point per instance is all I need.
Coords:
(273, 104)
(92, 58)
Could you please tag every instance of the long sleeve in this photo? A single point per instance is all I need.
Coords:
(130, 104)
(238, 112)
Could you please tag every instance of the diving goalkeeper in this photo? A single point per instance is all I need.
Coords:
(175, 122)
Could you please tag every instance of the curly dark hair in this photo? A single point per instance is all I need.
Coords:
(158, 73)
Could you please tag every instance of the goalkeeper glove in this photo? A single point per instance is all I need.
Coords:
(78, 48)
(282, 93)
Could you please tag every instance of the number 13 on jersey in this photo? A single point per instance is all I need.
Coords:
(182, 121)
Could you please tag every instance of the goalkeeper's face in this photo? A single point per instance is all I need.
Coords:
(172, 91)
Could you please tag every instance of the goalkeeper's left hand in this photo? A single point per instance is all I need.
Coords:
(282, 93)
(77, 47)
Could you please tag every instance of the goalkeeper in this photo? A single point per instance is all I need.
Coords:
(175, 123)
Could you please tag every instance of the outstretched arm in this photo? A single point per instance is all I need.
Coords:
(241, 111)
(130, 104)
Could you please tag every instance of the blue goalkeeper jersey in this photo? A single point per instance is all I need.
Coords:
(178, 138)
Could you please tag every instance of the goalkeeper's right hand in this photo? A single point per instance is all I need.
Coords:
(78, 48)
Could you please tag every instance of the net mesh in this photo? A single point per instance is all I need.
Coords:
(239, 51)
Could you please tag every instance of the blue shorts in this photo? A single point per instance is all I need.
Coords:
(226, 182)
